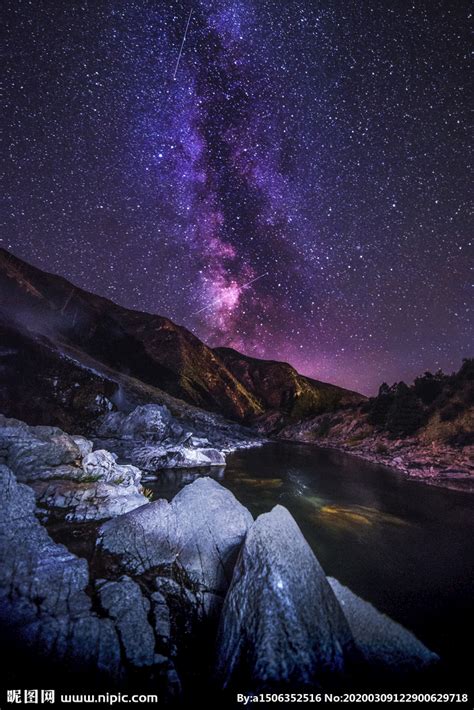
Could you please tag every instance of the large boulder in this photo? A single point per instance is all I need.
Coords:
(195, 538)
(148, 422)
(281, 624)
(32, 451)
(152, 439)
(382, 642)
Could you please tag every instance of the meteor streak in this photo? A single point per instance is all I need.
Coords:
(182, 45)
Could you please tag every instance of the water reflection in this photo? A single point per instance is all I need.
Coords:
(349, 516)
(165, 483)
(259, 482)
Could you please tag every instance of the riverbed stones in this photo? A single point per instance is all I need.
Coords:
(383, 643)
(88, 501)
(281, 623)
(152, 439)
(65, 473)
(195, 538)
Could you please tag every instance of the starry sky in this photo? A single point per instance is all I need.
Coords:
(295, 186)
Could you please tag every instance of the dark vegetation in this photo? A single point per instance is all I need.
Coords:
(401, 409)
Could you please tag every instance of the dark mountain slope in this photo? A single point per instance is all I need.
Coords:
(49, 311)
(151, 348)
(277, 386)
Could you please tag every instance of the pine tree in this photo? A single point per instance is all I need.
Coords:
(380, 406)
(405, 415)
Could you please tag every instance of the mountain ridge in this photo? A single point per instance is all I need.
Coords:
(152, 348)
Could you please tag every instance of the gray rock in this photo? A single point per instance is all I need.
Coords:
(382, 642)
(152, 439)
(102, 465)
(43, 599)
(152, 458)
(84, 445)
(281, 623)
(196, 537)
(149, 422)
(37, 449)
(88, 501)
(99, 463)
(50, 461)
(128, 608)
(161, 617)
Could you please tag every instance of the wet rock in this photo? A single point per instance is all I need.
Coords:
(281, 623)
(151, 458)
(128, 608)
(195, 538)
(382, 642)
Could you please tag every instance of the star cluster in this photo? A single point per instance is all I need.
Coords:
(298, 190)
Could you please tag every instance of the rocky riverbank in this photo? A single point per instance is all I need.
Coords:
(81, 478)
(422, 457)
(179, 597)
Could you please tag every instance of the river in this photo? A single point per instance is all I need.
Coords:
(402, 545)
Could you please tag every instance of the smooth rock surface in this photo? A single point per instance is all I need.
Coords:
(151, 458)
(382, 642)
(196, 537)
(281, 624)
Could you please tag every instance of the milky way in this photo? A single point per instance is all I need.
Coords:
(298, 190)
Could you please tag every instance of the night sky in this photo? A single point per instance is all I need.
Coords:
(317, 149)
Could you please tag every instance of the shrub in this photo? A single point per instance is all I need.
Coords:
(429, 387)
(90, 479)
(379, 406)
(405, 415)
(451, 411)
(324, 427)
(462, 438)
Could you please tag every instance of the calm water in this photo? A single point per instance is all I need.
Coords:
(404, 546)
